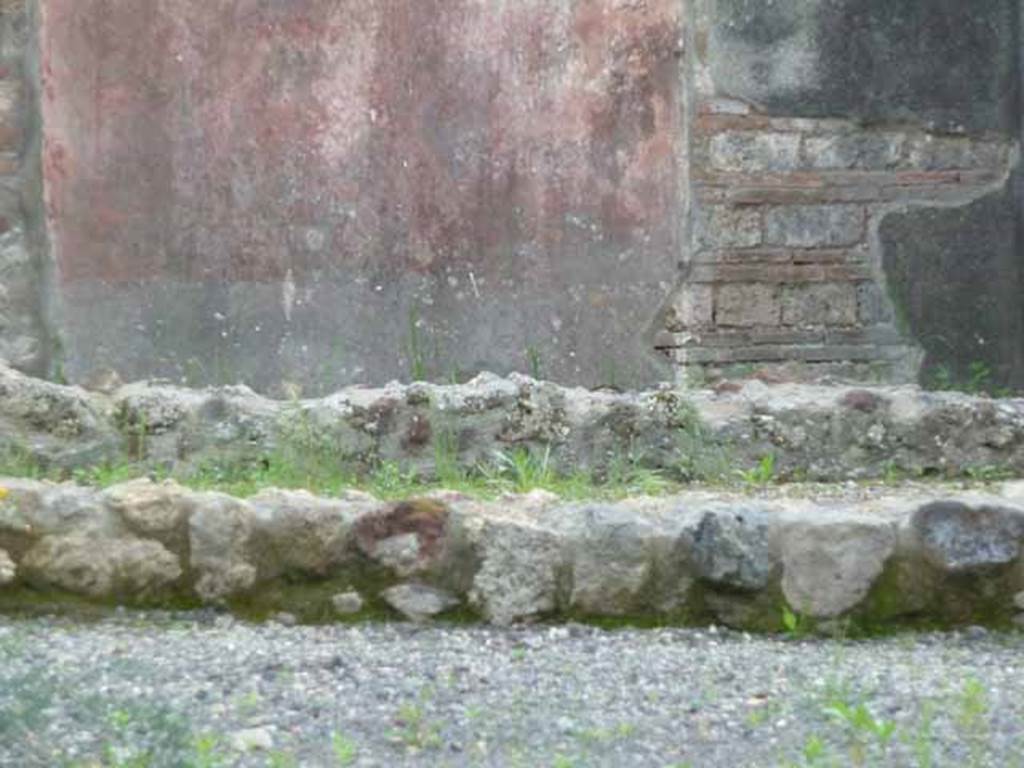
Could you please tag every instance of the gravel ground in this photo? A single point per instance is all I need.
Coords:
(205, 690)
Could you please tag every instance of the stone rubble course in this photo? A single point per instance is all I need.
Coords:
(814, 432)
(922, 553)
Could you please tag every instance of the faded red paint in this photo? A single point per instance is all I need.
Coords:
(196, 140)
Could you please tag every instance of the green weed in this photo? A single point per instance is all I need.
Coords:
(763, 473)
(415, 349)
(521, 469)
(972, 718)
(533, 362)
(344, 749)
(415, 730)
(863, 728)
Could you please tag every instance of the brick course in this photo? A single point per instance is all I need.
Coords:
(782, 234)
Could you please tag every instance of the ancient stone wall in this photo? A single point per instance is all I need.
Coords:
(852, 173)
(323, 192)
(24, 337)
(312, 194)
(851, 564)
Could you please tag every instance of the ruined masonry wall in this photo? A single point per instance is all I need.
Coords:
(787, 263)
(24, 338)
(311, 195)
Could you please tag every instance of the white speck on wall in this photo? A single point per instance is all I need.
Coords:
(316, 239)
(288, 295)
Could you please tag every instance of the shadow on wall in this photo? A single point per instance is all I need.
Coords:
(874, 60)
(956, 276)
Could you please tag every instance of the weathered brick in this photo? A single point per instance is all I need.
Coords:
(733, 337)
(722, 226)
(810, 226)
(723, 106)
(755, 152)
(819, 304)
(768, 353)
(732, 272)
(839, 193)
(747, 304)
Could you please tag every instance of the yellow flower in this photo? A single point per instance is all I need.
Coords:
(3, 493)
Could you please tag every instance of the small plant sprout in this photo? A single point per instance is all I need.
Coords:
(864, 729)
(533, 362)
(344, 749)
(794, 623)
(763, 473)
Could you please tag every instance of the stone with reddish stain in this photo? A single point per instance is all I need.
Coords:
(862, 400)
(408, 537)
(325, 192)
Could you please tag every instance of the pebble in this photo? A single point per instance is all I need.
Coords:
(347, 603)
(159, 684)
(252, 740)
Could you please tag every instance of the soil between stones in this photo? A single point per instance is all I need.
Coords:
(200, 689)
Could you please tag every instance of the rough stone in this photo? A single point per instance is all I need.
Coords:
(829, 566)
(854, 151)
(8, 569)
(745, 305)
(128, 569)
(65, 426)
(419, 602)
(731, 547)
(220, 535)
(612, 556)
(297, 533)
(813, 226)
(965, 537)
(820, 304)
(751, 152)
(348, 603)
(151, 510)
(720, 226)
(31, 510)
(520, 568)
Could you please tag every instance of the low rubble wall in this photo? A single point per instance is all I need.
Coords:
(817, 433)
(918, 555)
